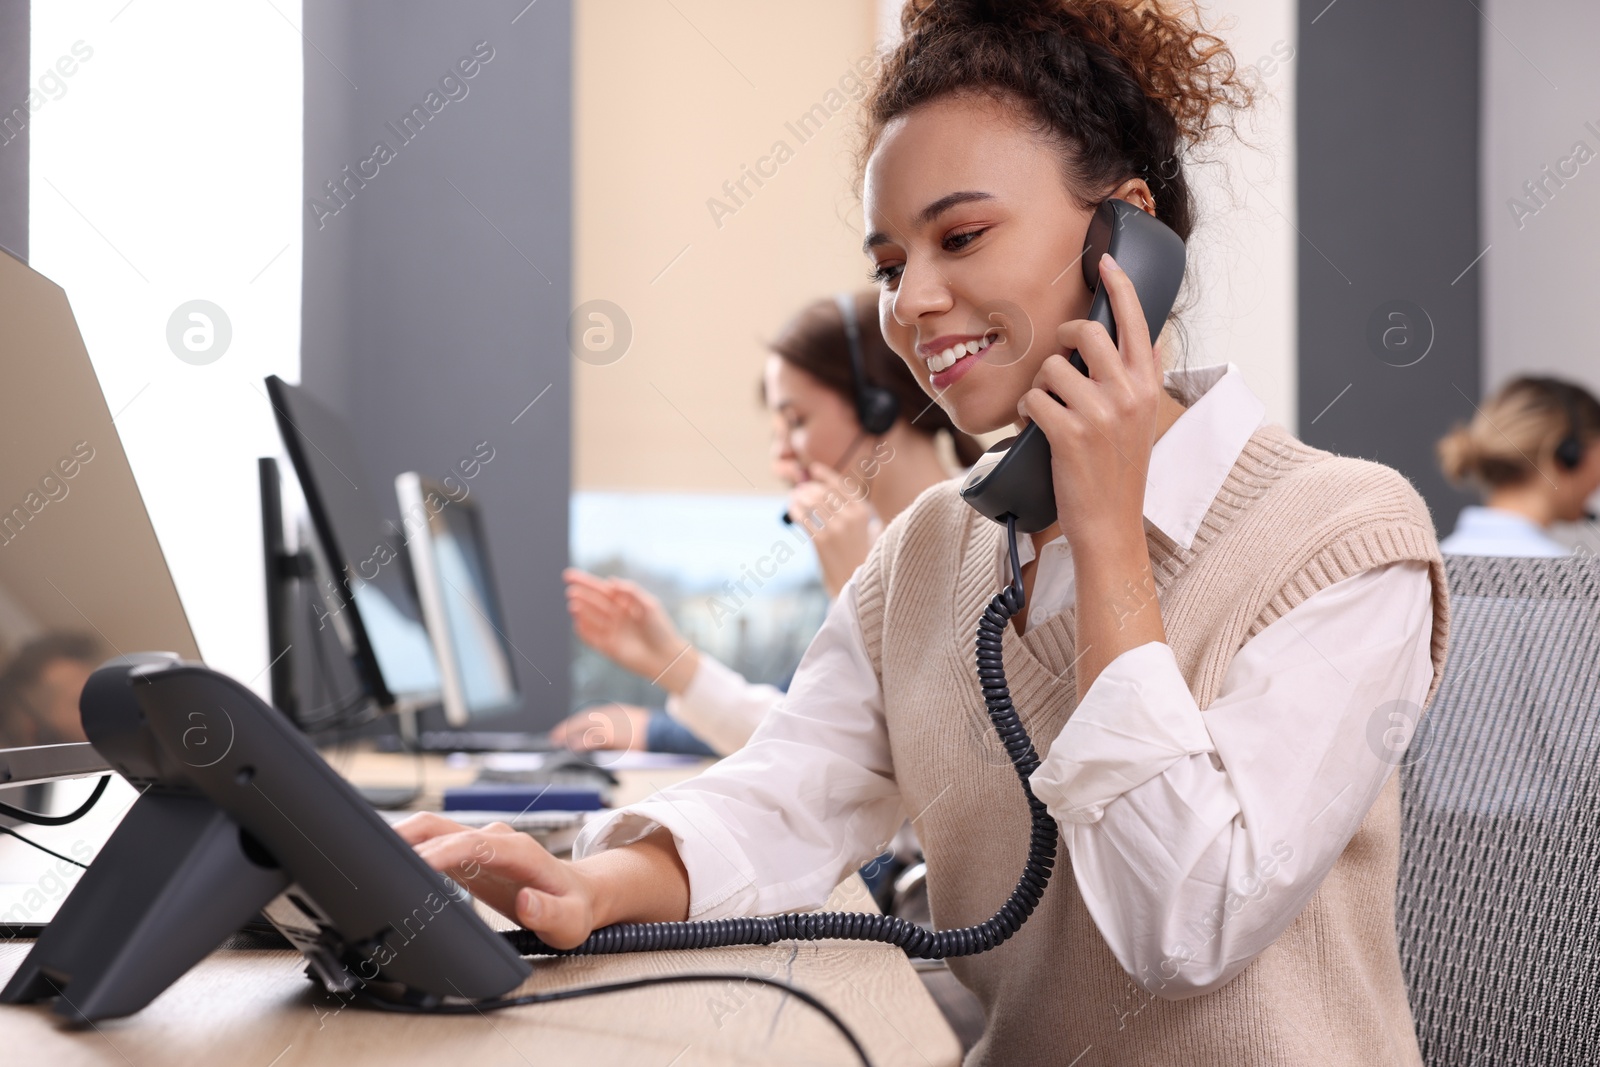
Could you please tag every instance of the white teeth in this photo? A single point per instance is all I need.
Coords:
(946, 359)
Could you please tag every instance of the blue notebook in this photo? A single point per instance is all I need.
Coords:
(497, 796)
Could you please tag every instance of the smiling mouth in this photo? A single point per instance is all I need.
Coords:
(946, 359)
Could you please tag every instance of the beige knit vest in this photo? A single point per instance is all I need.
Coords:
(1288, 521)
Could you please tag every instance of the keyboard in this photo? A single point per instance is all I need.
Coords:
(529, 822)
(555, 830)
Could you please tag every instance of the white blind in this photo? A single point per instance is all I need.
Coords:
(166, 169)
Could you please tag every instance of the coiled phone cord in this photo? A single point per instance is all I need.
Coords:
(853, 926)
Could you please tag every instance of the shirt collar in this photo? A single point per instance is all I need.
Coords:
(1192, 459)
(1479, 518)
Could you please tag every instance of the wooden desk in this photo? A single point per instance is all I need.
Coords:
(256, 1008)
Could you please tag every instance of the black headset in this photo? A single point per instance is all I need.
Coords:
(876, 407)
(1569, 450)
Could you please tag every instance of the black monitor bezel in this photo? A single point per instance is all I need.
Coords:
(361, 650)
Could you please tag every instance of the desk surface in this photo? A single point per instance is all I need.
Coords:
(257, 1008)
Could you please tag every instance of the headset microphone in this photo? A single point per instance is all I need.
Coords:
(1569, 450)
(876, 407)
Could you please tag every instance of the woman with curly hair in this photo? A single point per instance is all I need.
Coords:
(1219, 629)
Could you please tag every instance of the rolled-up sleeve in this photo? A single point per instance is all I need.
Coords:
(721, 706)
(1197, 837)
(778, 825)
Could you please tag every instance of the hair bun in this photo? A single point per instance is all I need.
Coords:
(1516, 431)
(1188, 71)
(1007, 12)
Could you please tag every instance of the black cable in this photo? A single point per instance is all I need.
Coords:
(471, 1007)
(914, 940)
(405, 800)
(37, 819)
(41, 848)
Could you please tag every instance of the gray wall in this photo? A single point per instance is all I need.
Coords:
(1387, 161)
(1541, 101)
(436, 298)
(14, 40)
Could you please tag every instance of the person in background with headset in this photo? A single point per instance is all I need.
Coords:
(856, 437)
(1534, 447)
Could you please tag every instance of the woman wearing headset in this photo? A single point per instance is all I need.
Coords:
(1209, 627)
(1534, 449)
(857, 439)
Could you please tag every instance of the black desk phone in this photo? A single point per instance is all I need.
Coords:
(1013, 477)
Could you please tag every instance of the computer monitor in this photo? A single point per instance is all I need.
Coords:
(82, 575)
(357, 555)
(450, 562)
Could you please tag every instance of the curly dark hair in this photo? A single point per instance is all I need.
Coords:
(1122, 88)
(1122, 85)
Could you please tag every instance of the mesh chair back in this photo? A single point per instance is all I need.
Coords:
(1499, 894)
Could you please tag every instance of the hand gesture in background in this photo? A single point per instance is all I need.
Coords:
(621, 621)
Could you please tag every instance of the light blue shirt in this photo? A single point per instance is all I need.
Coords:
(1484, 531)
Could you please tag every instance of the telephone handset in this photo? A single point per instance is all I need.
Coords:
(1012, 479)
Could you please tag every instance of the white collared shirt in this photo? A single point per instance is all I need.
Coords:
(721, 706)
(1195, 838)
(1484, 531)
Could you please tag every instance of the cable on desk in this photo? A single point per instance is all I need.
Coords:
(371, 1000)
(41, 848)
(405, 800)
(38, 819)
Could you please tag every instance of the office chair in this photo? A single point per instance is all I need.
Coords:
(1498, 908)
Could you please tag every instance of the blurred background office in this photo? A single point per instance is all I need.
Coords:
(567, 229)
